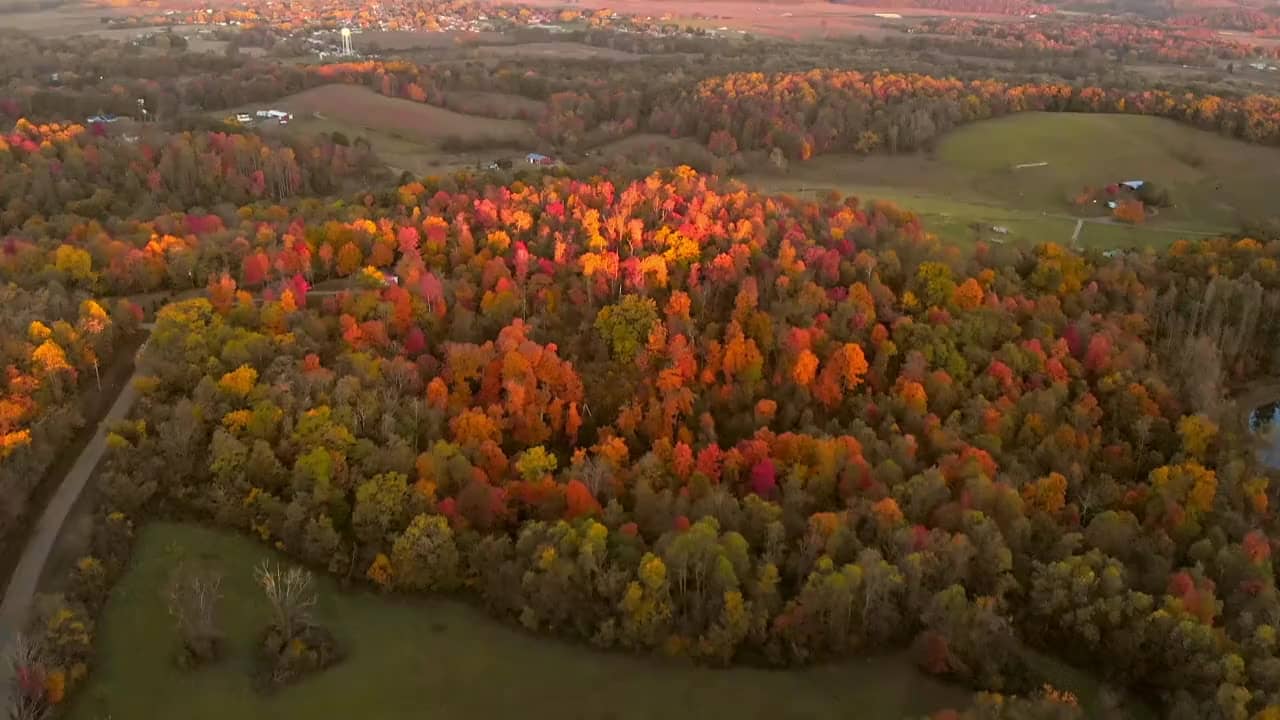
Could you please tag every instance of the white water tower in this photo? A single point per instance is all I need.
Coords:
(346, 41)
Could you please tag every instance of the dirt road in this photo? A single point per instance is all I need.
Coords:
(20, 594)
(21, 591)
(23, 584)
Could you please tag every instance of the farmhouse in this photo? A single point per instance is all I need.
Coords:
(95, 119)
(539, 159)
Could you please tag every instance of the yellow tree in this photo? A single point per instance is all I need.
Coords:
(49, 359)
(239, 382)
(646, 605)
(73, 262)
(1197, 433)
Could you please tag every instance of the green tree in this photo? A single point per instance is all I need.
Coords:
(381, 507)
(625, 325)
(424, 556)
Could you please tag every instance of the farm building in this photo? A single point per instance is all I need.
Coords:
(94, 120)
(539, 159)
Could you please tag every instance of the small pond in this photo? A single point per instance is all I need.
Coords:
(1265, 422)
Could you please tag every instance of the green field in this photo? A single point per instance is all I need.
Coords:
(439, 659)
(972, 179)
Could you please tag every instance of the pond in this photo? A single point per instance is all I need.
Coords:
(1265, 422)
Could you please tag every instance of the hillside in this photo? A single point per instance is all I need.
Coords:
(972, 176)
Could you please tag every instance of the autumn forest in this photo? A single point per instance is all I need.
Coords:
(637, 405)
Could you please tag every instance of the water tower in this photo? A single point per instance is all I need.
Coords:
(346, 41)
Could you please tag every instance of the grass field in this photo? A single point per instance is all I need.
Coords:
(441, 660)
(56, 22)
(645, 146)
(562, 50)
(358, 105)
(1215, 182)
(494, 104)
(793, 19)
(405, 134)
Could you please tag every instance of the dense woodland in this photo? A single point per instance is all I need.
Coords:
(667, 416)
(680, 417)
(53, 345)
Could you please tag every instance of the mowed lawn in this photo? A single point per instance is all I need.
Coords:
(439, 659)
(972, 178)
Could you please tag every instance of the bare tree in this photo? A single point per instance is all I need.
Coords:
(1201, 372)
(291, 595)
(193, 602)
(28, 698)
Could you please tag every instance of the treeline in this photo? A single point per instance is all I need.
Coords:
(680, 417)
(1125, 42)
(817, 111)
(1230, 18)
(53, 343)
(804, 114)
(48, 170)
(72, 78)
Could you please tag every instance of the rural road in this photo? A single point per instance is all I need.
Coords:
(21, 591)
(1112, 221)
(20, 594)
